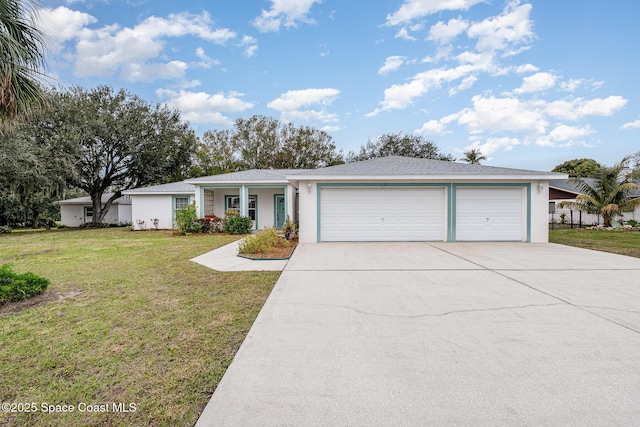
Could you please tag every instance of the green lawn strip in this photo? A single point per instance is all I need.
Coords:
(147, 327)
(614, 241)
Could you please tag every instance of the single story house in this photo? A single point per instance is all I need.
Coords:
(566, 190)
(78, 211)
(385, 199)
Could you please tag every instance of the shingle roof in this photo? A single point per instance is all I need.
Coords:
(572, 186)
(252, 175)
(86, 200)
(180, 187)
(410, 166)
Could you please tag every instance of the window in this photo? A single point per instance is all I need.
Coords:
(88, 212)
(233, 202)
(180, 202)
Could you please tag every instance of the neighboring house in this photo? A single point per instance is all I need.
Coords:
(566, 190)
(75, 212)
(386, 199)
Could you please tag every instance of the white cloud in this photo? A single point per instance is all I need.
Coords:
(284, 12)
(527, 68)
(536, 83)
(509, 32)
(202, 107)
(493, 144)
(293, 105)
(632, 125)
(579, 108)
(567, 133)
(62, 24)
(205, 61)
(392, 63)
(412, 10)
(250, 46)
(443, 33)
(436, 126)
(502, 114)
(131, 52)
(466, 83)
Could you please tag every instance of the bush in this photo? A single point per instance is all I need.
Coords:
(212, 224)
(5, 229)
(95, 225)
(237, 224)
(261, 242)
(632, 222)
(187, 220)
(17, 287)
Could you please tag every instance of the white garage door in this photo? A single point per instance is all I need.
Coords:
(489, 214)
(382, 214)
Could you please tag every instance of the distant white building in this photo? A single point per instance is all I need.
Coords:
(75, 212)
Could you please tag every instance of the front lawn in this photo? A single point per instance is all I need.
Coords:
(615, 241)
(133, 325)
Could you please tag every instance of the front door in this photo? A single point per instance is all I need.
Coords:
(280, 213)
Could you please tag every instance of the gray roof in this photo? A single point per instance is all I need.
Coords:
(86, 200)
(571, 186)
(180, 187)
(411, 166)
(252, 175)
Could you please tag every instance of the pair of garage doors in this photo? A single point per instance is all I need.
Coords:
(420, 214)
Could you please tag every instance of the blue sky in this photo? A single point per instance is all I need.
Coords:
(531, 84)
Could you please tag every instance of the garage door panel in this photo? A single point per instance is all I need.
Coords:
(489, 214)
(375, 214)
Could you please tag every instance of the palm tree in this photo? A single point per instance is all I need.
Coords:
(474, 156)
(21, 62)
(607, 194)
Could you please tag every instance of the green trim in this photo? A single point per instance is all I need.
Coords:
(320, 186)
(275, 209)
(526, 185)
(451, 191)
(213, 187)
(173, 206)
(228, 196)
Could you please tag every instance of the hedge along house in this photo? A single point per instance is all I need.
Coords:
(410, 199)
(264, 195)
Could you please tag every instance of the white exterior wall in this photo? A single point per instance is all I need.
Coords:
(539, 212)
(147, 207)
(124, 213)
(309, 212)
(72, 215)
(308, 215)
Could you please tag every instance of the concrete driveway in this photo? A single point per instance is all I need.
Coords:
(392, 334)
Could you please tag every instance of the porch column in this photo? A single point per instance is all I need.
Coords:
(244, 201)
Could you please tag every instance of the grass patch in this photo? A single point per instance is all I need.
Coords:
(614, 241)
(144, 325)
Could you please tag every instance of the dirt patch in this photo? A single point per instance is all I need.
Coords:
(44, 298)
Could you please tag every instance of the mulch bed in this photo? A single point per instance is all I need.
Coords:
(279, 252)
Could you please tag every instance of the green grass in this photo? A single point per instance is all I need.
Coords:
(615, 241)
(144, 326)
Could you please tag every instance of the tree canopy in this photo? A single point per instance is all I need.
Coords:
(121, 142)
(22, 52)
(579, 168)
(473, 156)
(607, 193)
(262, 142)
(399, 144)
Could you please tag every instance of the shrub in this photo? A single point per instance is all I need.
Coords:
(289, 228)
(187, 220)
(95, 225)
(5, 229)
(17, 287)
(632, 222)
(212, 224)
(261, 242)
(237, 224)
(231, 212)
